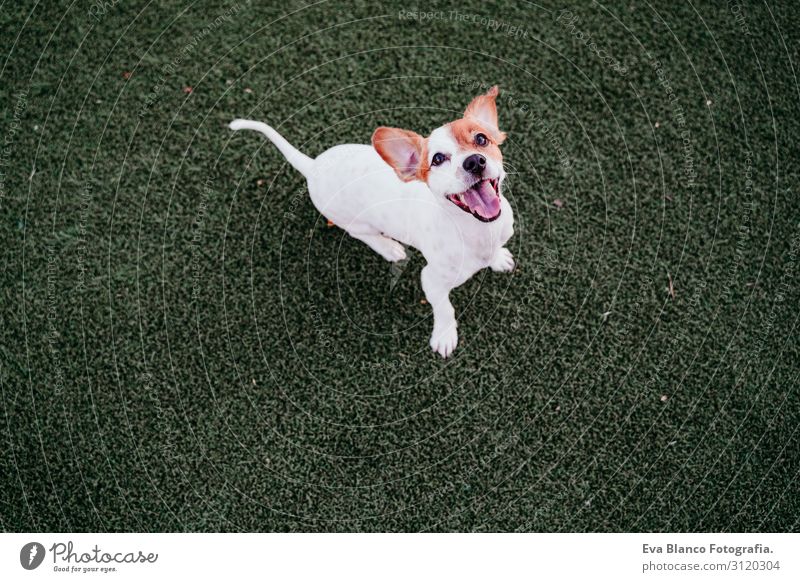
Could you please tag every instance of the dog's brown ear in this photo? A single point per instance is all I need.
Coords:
(483, 109)
(403, 150)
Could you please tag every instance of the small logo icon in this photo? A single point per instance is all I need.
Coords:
(31, 555)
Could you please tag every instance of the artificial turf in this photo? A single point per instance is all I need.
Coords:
(187, 345)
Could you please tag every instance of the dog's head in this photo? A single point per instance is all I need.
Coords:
(460, 161)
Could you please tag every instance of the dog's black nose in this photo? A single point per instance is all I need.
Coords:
(474, 164)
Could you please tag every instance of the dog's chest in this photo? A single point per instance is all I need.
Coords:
(483, 239)
(463, 252)
(481, 249)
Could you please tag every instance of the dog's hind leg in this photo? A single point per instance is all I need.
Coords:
(388, 248)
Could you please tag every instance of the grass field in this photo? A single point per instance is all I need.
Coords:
(187, 345)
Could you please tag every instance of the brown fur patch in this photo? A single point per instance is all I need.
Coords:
(464, 131)
(424, 168)
(484, 107)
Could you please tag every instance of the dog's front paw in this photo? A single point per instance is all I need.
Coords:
(444, 341)
(502, 261)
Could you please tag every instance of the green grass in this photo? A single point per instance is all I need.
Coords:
(187, 346)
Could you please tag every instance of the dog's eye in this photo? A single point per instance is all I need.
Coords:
(438, 159)
(481, 139)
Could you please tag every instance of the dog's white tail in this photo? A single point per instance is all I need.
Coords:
(298, 159)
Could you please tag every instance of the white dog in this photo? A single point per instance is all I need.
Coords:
(441, 195)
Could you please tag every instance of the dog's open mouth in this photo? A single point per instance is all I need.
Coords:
(482, 200)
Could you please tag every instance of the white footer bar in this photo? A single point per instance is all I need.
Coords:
(401, 557)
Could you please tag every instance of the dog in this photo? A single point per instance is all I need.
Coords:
(442, 195)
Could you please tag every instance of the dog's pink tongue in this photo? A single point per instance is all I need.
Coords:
(483, 200)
